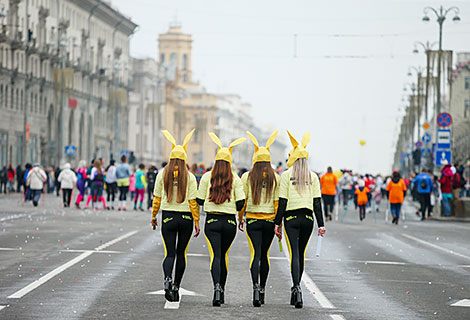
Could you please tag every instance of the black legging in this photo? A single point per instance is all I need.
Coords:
(260, 234)
(220, 231)
(177, 228)
(298, 226)
(67, 197)
(111, 189)
(328, 203)
(123, 190)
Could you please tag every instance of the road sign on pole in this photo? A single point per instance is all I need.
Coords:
(443, 139)
(426, 138)
(444, 119)
(70, 150)
(418, 144)
(442, 155)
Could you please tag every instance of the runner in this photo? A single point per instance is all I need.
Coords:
(361, 197)
(67, 179)
(261, 187)
(299, 198)
(123, 172)
(329, 184)
(175, 194)
(140, 186)
(81, 181)
(396, 194)
(35, 182)
(111, 184)
(221, 194)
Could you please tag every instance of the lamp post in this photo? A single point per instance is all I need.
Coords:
(419, 72)
(427, 47)
(441, 15)
(410, 124)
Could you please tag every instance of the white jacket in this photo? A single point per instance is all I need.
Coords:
(36, 178)
(67, 179)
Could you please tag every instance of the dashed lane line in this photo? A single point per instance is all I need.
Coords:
(22, 292)
(461, 303)
(337, 317)
(435, 246)
(2, 307)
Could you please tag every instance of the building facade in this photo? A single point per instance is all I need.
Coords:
(64, 80)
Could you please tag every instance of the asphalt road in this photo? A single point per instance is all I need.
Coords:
(60, 263)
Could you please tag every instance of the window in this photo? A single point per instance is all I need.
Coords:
(173, 59)
(466, 111)
(185, 78)
(162, 58)
(185, 62)
(467, 83)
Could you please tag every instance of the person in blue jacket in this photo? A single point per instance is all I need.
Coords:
(424, 184)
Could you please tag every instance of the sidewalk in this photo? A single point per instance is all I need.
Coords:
(437, 215)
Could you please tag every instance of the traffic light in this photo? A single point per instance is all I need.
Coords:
(417, 157)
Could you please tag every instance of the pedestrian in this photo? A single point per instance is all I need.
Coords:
(132, 185)
(261, 188)
(56, 180)
(35, 182)
(151, 178)
(456, 183)
(396, 195)
(140, 186)
(111, 184)
(3, 179)
(97, 177)
(123, 172)
(81, 182)
(461, 171)
(200, 172)
(175, 194)
(19, 178)
(221, 194)
(299, 198)
(27, 190)
(67, 179)
(346, 184)
(424, 184)
(329, 184)
(446, 187)
(362, 196)
(11, 177)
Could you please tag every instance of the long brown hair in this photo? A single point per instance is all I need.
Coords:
(97, 165)
(175, 173)
(221, 182)
(262, 176)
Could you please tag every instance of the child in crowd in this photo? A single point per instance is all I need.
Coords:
(361, 198)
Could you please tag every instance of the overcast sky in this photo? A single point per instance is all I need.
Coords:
(343, 82)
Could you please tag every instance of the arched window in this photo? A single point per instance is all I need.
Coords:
(185, 62)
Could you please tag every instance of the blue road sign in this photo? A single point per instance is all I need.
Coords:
(426, 138)
(70, 150)
(425, 151)
(418, 144)
(442, 155)
(444, 119)
(443, 139)
(125, 152)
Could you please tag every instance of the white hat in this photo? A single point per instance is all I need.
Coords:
(361, 183)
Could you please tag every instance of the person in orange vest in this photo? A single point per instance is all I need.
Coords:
(328, 192)
(361, 198)
(396, 189)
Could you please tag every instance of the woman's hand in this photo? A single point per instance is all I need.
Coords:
(278, 231)
(154, 223)
(196, 231)
(241, 225)
(321, 231)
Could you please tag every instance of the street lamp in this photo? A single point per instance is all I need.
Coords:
(427, 47)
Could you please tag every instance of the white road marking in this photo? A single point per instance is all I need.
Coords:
(58, 270)
(2, 307)
(311, 286)
(384, 262)
(435, 246)
(175, 304)
(337, 317)
(94, 251)
(461, 303)
(197, 255)
(9, 249)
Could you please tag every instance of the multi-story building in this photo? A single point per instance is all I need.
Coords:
(64, 80)
(460, 108)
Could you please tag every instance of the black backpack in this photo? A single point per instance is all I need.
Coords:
(423, 184)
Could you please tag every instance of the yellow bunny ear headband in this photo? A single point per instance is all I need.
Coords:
(262, 153)
(178, 151)
(298, 151)
(224, 153)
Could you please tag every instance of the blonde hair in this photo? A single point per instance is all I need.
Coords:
(301, 175)
(82, 164)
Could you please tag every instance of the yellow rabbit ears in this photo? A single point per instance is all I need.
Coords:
(262, 153)
(298, 151)
(178, 151)
(224, 153)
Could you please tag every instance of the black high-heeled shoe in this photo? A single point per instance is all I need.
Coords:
(217, 295)
(168, 289)
(176, 292)
(293, 292)
(261, 294)
(256, 296)
(298, 302)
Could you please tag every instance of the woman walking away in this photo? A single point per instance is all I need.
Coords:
(396, 195)
(123, 172)
(111, 184)
(151, 177)
(35, 182)
(67, 179)
(299, 198)
(140, 185)
(132, 185)
(97, 176)
(361, 197)
(261, 187)
(221, 194)
(175, 193)
(328, 192)
(81, 182)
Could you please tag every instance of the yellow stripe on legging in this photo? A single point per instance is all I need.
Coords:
(211, 251)
(164, 246)
(288, 247)
(252, 249)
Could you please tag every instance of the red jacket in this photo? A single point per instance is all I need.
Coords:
(11, 173)
(446, 179)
